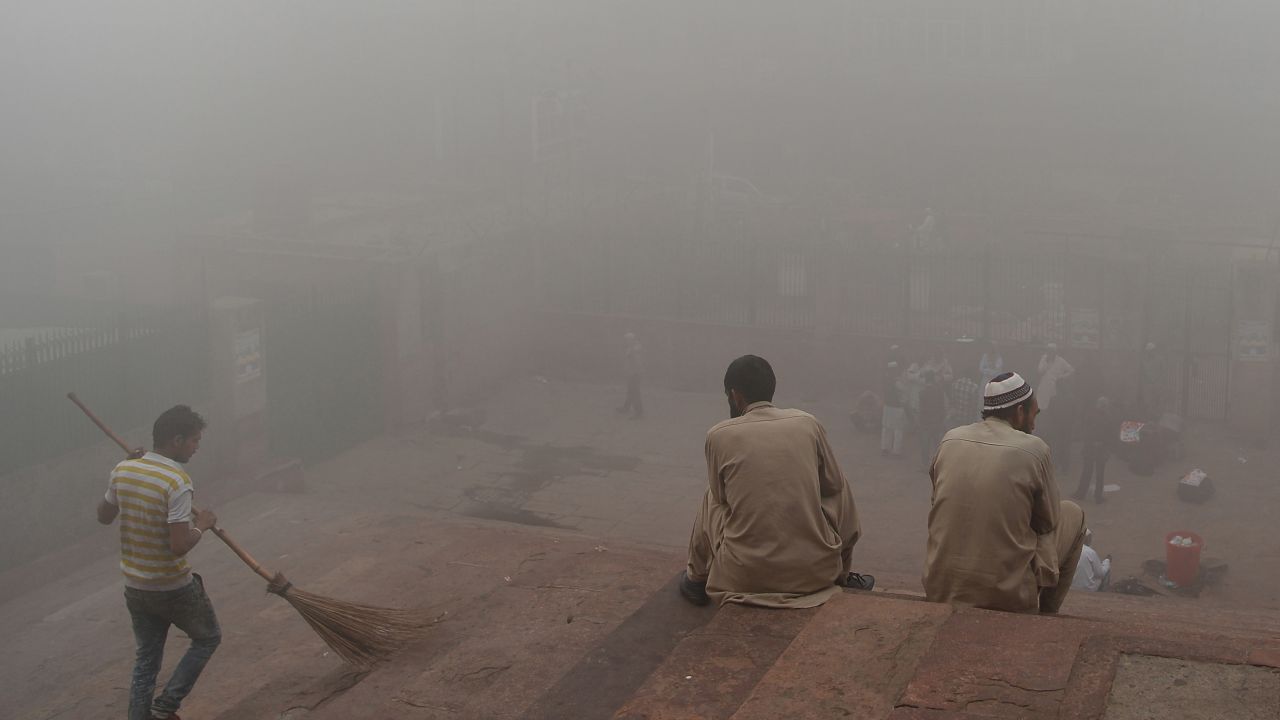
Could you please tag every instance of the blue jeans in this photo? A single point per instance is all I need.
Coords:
(153, 612)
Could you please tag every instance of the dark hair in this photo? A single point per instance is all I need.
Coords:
(177, 421)
(752, 376)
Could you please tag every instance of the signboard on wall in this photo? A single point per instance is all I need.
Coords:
(1085, 327)
(248, 355)
(1253, 340)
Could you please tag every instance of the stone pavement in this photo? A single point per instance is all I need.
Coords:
(549, 531)
(555, 454)
(542, 623)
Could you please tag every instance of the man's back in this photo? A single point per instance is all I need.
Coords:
(774, 472)
(151, 492)
(992, 497)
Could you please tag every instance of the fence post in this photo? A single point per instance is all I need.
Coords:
(986, 290)
(754, 285)
(907, 267)
(1188, 360)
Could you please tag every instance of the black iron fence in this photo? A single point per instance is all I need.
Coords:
(128, 374)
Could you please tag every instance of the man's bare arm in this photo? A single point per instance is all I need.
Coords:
(183, 536)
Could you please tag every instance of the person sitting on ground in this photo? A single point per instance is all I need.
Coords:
(999, 538)
(777, 525)
(1092, 574)
(867, 412)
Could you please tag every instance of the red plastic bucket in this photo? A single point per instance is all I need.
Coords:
(1183, 563)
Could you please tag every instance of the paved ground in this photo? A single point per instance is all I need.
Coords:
(548, 531)
(555, 453)
(540, 623)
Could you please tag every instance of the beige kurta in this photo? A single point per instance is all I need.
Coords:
(778, 524)
(997, 531)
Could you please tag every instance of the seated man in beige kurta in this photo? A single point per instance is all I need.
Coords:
(777, 525)
(999, 538)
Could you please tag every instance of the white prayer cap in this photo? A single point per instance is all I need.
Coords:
(1052, 346)
(1005, 390)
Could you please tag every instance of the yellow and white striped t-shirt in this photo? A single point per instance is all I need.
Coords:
(151, 492)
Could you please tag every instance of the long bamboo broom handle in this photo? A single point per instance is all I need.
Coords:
(244, 555)
(222, 534)
(101, 425)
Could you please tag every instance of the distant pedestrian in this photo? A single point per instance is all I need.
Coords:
(933, 413)
(911, 383)
(964, 402)
(940, 366)
(893, 418)
(897, 355)
(924, 235)
(991, 365)
(1101, 430)
(633, 367)
(1053, 368)
(1056, 424)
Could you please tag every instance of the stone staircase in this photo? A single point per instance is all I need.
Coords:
(888, 655)
(544, 624)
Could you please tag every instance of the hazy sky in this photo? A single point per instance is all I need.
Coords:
(981, 106)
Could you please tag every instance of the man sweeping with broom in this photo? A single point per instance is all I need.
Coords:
(151, 495)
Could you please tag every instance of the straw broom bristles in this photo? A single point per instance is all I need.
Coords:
(360, 634)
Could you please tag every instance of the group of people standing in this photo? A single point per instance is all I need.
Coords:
(930, 399)
(1077, 408)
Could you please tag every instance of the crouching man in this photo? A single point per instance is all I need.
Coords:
(777, 525)
(999, 538)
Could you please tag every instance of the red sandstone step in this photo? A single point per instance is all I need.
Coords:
(889, 655)
(852, 660)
